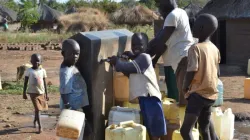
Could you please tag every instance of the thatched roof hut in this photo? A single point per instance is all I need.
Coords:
(85, 19)
(192, 10)
(11, 15)
(134, 16)
(228, 9)
(232, 36)
(47, 13)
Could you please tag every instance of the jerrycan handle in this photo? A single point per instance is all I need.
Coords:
(169, 99)
(126, 123)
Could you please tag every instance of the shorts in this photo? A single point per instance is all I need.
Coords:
(153, 117)
(39, 102)
(197, 104)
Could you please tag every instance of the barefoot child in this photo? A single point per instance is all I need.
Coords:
(143, 85)
(35, 78)
(200, 84)
(73, 88)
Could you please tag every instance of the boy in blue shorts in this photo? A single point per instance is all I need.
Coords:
(143, 85)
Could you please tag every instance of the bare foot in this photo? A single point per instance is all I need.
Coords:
(40, 130)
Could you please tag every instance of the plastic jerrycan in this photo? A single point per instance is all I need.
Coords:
(177, 135)
(247, 88)
(120, 86)
(125, 131)
(219, 100)
(216, 117)
(131, 105)
(70, 124)
(227, 125)
(171, 110)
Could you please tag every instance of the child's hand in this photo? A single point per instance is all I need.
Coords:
(129, 54)
(113, 60)
(25, 97)
(46, 98)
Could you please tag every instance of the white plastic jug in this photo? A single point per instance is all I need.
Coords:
(125, 131)
(121, 114)
(227, 125)
(223, 123)
(217, 119)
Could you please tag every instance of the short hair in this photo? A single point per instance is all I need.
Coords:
(68, 43)
(144, 38)
(36, 55)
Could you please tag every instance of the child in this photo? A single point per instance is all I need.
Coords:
(143, 85)
(36, 77)
(73, 88)
(201, 80)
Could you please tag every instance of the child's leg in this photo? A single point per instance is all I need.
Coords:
(153, 117)
(37, 112)
(35, 119)
(171, 83)
(204, 123)
(188, 125)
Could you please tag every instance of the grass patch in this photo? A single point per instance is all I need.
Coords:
(17, 88)
(46, 36)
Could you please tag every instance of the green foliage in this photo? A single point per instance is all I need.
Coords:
(151, 4)
(106, 5)
(17, 88)
(28, 13)
(129, 3)
(12, 5)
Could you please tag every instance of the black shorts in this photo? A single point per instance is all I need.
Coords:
(197, 103)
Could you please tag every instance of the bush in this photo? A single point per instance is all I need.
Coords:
(106, 6)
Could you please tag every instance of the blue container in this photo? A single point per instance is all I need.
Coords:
(219, 100)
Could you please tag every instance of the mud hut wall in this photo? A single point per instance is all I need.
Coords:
(99, 77)
(238, 41)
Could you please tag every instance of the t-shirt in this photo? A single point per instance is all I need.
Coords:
(72, 83)
(142, 77)
(36, 82)
(204, 59)
(181, 39)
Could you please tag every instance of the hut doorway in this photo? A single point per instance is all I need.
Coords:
(222, 40)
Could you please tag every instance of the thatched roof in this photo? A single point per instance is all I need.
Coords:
(84, 19)
(192, 9)
(47, 13)
(228, 9)
(134, 16)
(11, 15)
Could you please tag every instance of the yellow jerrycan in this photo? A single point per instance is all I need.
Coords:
(247, 88)
(126, 131)
(177, 135)
(120, 86)
(131, 105)
(70, 124)
(171, 110)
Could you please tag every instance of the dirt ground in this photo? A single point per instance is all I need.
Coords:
(16, 114)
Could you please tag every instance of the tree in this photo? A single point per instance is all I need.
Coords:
(12, 5)
(151, 4)
(28, 13)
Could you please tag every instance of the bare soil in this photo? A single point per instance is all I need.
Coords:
(16, 114)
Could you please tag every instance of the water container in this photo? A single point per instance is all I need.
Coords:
(182, 114)
(227, 125)
(247, 88)
(216, 118)
(126, 131)
(177, 135)
(131, 105)
(121, 87)
(170, 130)
(223, 123)
(219, 100)
(121, 114)
(70, 124)
(171, 110)
(248, 67)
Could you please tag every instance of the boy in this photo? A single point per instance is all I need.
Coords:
(73, 88)
(201, 80)
(36, 77)
(143, 85)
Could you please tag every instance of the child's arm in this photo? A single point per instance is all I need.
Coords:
(64, 96)
(46, 91)
(25, 87)
(138, 65)
(192, 67)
